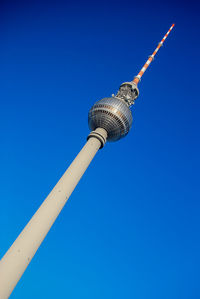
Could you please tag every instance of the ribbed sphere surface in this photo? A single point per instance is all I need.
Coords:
(113, 115)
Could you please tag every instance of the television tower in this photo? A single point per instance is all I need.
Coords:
(109, 119)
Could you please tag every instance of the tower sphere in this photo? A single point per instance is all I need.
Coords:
(113, 115)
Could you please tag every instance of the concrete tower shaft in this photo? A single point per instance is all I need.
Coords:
(15, 261)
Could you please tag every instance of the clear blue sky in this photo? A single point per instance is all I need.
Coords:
(131, 227)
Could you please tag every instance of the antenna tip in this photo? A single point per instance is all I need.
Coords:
(173, 25)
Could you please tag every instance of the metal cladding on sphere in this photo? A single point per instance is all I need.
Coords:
(113, 115)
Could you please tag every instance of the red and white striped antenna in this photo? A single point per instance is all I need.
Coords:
(137, 78)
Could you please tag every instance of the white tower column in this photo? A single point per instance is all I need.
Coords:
(15, 261)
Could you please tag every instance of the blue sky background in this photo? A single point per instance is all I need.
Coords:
(136, 236)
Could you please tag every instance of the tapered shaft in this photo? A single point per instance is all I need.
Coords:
(17, 258)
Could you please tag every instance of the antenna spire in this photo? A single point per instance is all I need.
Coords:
(137, 79)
